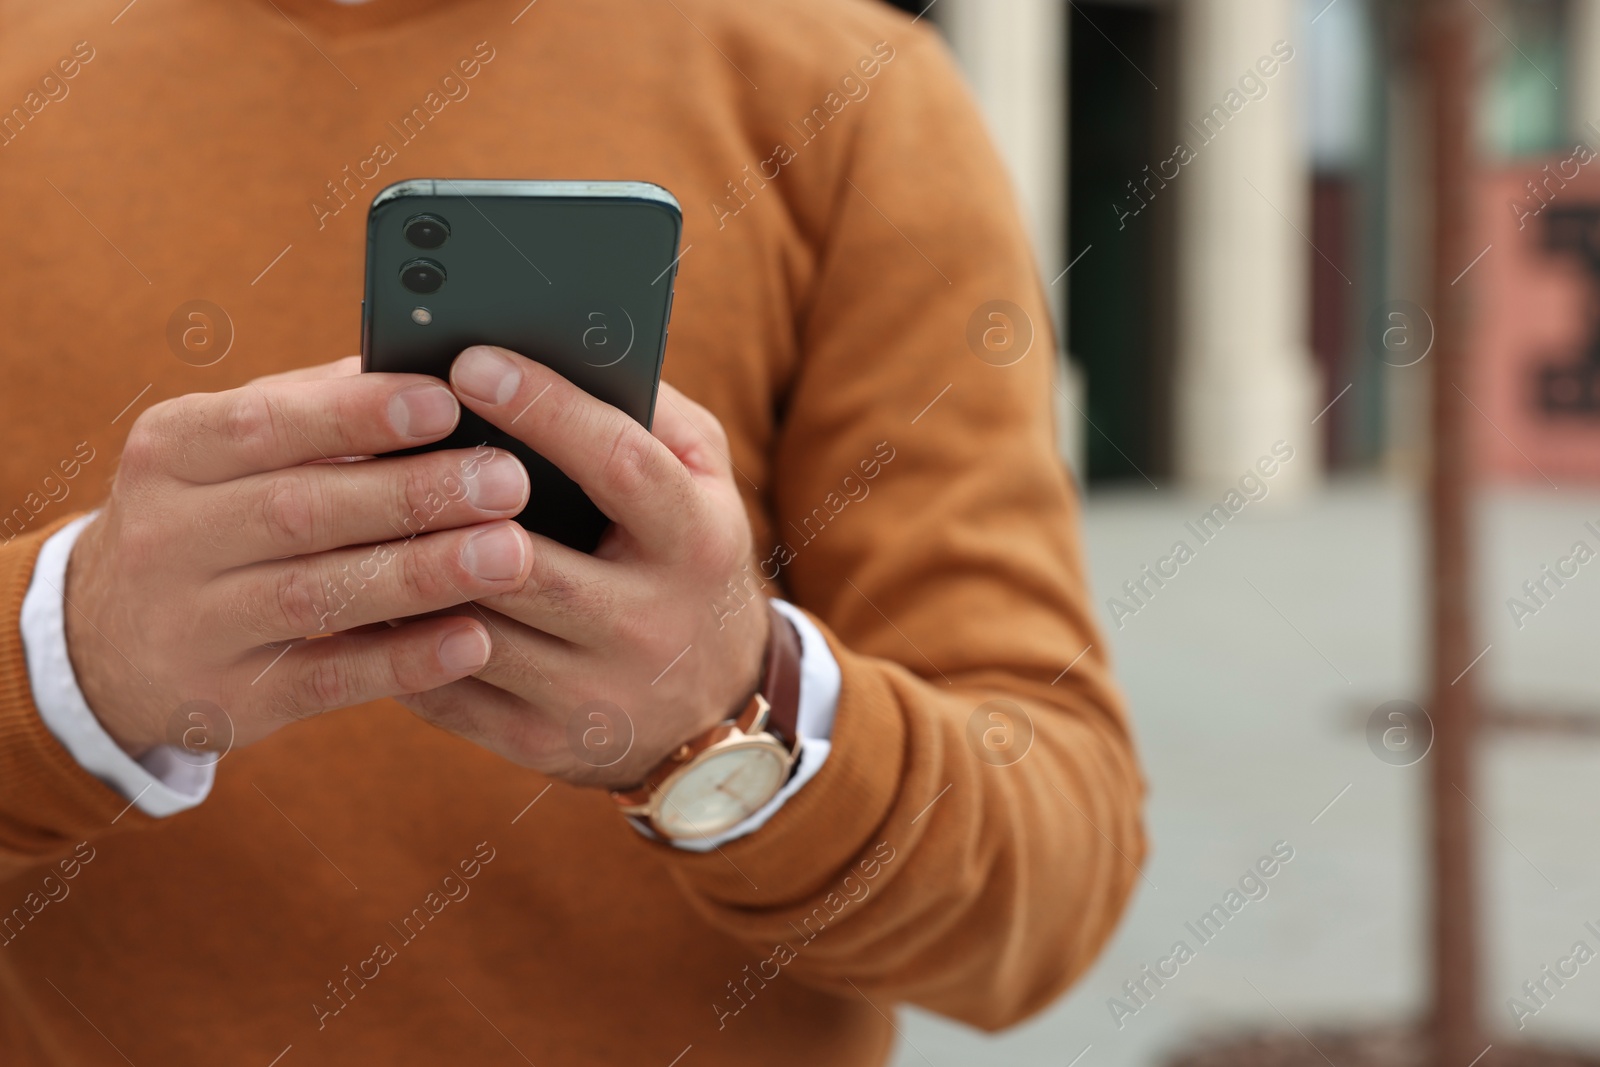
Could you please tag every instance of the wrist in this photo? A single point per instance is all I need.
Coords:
(751, 663)
(720, 702)
(723, 775)
(104, 693)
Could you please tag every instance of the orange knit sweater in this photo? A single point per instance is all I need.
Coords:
(365, 888)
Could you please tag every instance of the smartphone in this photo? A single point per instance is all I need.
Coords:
(576, 275)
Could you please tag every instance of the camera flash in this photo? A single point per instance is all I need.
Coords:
(421, 316)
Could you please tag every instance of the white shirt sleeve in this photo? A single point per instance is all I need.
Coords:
(820, 682)
(167, 779)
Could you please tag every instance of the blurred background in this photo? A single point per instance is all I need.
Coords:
(1230, 204)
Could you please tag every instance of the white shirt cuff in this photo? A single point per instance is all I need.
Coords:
(166, 780)
(820, 682)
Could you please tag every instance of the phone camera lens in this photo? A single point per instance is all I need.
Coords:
(427, 231)
(422, 276)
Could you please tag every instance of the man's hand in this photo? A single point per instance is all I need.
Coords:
(228, 538)
(603, 664)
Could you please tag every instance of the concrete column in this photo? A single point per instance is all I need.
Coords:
(1244, 374)
(1014, 55)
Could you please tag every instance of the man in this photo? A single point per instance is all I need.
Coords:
(409, 850)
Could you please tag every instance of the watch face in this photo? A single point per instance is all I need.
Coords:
(720, 792)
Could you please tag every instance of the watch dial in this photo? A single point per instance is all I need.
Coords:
(721, 792)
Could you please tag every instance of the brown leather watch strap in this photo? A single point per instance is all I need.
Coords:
(780, 680)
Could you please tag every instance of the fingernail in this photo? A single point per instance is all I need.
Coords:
(464, 650)
(500, 485)
(495, 554)
(486, 375)
(421, 411)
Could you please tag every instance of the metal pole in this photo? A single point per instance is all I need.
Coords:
(1447, 41)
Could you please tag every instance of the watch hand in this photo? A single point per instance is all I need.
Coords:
(732, 778)
(742, 804)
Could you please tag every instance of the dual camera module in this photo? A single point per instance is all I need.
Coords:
(426, 232)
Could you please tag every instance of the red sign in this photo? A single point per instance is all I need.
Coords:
(1536, 322)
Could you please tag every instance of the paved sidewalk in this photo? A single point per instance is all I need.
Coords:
(1251, 674)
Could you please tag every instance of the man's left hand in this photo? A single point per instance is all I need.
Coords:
(603, 664)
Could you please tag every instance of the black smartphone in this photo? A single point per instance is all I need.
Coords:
(577, 275)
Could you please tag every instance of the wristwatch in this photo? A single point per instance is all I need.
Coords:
(717, 780)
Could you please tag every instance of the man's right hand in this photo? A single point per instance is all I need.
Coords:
(229, 537)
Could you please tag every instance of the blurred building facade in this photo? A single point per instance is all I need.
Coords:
(1224, 195)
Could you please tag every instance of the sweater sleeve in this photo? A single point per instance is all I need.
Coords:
(976, 832)
(47, 801)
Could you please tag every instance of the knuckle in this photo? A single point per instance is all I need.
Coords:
(298, 604)
(417, 497)
(247, 420)
(324, 686)
(289, 511)
(627, 465)
(423, 576)
(143, 449)
(409, 671)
